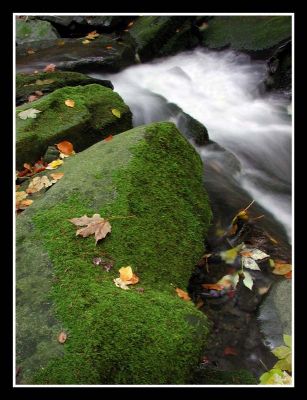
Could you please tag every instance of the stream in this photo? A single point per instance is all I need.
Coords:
(250, 160)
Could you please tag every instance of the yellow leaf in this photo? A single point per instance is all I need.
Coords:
(282, 269)
(116, 112)
(21, 196)
(183, 295)
(125, 273)
(70, 103)
(86, 41)
(55, 164)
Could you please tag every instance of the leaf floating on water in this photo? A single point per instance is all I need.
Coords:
(96, 225)
(29, 113)
(65, 147)
(69, 103)
(182, 294)
(54, 164)
(62, 337)
(248, 262)
(116, 112)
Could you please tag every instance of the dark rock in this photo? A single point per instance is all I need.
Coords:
(33, 30)
(280, 69)
(52, 153)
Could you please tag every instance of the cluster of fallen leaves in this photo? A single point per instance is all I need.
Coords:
(126, 277)
(280, 373)
(90, 37)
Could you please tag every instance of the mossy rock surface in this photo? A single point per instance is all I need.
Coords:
(148, 181)
(156, 35)
(215, 376)
(89, 121)
(27, 84)
(247, 32)
(33, 30)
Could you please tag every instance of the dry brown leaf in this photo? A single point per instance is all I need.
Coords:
(62, 337)
(22, 205)
(49, 68)
(20, 196)
(65, 147)
(38, 183)
(182, 294)
(108, 138)
(95, 225)
(69, 103)
(57, 175)
(282, 269)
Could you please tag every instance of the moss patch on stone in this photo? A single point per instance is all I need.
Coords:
(247, 32)
(27, 31)
(148, 182)
(26, 84)
(214, 376)
(88, 122)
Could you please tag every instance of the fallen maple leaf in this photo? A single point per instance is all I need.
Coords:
(69, 103)
(182, 294)
(116, 112)
(29, 113)
(57, 175)
(49, 68)
(38, 183)
(65, 147)
(62, 337)
(282, 269)
(108, 138)
(55, 164)
(95, 225)
(230, 351)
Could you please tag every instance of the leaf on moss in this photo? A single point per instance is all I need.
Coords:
(44, 81)
(54, 164)
(108, 138)
(65, 147)
(182, 294)
(70, 103)
(29, 113)
(126, 277)
(94, 225)
(116, 112)
(62, 337)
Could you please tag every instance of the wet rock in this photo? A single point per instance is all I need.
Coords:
(107, 53)
(27, 84)
(52, 153)
(33, 30)
(88, 122)
(275, 313)
(280, 69)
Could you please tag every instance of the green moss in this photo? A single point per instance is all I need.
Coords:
(89, 121)
(26, 83)
(27, 31)
(247, 32)
(214, 376)
(152, 32)
(152, 174)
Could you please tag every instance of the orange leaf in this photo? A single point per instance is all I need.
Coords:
(125, 273)
(288, 275)
(62, 337)
(70, 103)
(57, 175)
(108, 138)
(27, 166)
(65, 147)
(282, 269)
(214, 286)
(49, 68)
(183, 295)
(109, 47)
(230, 351)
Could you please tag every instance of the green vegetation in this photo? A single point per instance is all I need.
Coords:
(89, 121)
(152, 176)
(214, 376)
(27, 31)
(247, 32)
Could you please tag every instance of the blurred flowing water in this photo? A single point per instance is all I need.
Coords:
(223, 90)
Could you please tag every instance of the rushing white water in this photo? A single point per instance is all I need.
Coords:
(224, 91)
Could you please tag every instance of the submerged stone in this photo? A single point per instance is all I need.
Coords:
(148, 183)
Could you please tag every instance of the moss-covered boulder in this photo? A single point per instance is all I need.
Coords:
(148, 183)
(251, 33)
(89, 121)
(162, 35)
(33, 30)
(214, 376)
(47, 82)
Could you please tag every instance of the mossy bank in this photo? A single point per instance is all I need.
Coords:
(89, 121)
(148, 181)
